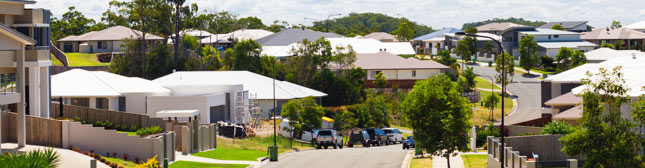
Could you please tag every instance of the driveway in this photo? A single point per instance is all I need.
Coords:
(373, 157)
(526, 91)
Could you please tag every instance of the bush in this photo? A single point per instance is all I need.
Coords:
(132, 128)
(490, 63)
(151, 163)
(491, 130)
(557, 128)
(149, 130)
(34, 159)
(126, 157)
(137, 160)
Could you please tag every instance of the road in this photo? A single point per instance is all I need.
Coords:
(526, 91)
(391, 156)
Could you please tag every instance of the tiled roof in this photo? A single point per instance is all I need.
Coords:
(612, 34)
(497, 26)
(111, 34)
(380, 36)
(437, 33)
(386, 60)
(564, 24)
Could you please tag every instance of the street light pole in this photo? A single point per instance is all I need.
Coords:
(327, 21)
(501, 53)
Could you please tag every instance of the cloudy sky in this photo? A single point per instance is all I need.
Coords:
(435, 13)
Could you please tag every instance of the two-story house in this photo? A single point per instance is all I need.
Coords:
(572, 26)
(549, 41)
(24, 61)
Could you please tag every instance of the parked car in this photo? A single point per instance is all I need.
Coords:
(408, 143)
(328, 137)
(359, 137)
(377, 137)
(394, 135)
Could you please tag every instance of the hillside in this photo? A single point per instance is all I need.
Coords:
(365, 23)
(511, 19)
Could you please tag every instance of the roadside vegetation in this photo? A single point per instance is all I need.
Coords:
(481, 113)
(79, 59)
(189, 164)
(484, 84)
(249, 149)
(475, 161)
(422, 162)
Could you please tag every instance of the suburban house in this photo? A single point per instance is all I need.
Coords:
(638, 26)
(631, 38)
(24, 62)
(451, 41)
(496, 28)
(366, 46)
(380, 36)
(401, 72)
(572, 26)
(258, 88)
(549, 41)
(239, 35)
(603, 54)
(104, 90)
(427, 44)
(281, 43)
(106, 40)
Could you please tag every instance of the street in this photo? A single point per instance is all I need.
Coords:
(526, 90)
(391, 156)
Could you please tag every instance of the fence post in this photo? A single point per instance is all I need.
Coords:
(65, 133)
(93, 163)
(186, 140)
(573, 163)
(531, 164)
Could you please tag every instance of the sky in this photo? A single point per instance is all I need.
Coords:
(435, 13)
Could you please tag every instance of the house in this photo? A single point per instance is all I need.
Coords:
(603, 54)
(549, 41)
(104, 90)
(24, 62)
(106, 40)
(451, 41)
(572, 26)
(638, 26)
(428, 43)
(632, 39)
(401, 72)
(239, 35)
(496, 28)
(380, 36)
(294, 35)
(259, 88)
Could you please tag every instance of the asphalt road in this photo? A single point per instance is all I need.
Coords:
(391, 156)
(526, 91)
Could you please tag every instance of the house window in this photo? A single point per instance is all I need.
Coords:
(549, 37)
(121, 103)
(556, 36)
(102, 103)
(83, 102)
(102, 45)
(414, 73)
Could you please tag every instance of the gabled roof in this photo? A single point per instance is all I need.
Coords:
(254, 83)
(290, 36)
(567, 99)
(385, 60)
(16, 35)
(568, 44)
(20, 1)
(573, 113)
(638, 25)
(111, 34)
(608, 53)
(548, 31)
(363, 46)
(380, 36)
(242, 34)
(564, 24)
(437, 33)
(82, 83)
(496, 37)
(613, 34)
(497, 26)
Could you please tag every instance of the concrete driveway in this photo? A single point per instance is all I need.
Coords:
(526, 90)
(391, 156)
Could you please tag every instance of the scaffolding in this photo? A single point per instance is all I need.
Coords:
(254, 110)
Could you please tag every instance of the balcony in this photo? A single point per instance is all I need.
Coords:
(31, 16)
(8, 92)
(37, 53)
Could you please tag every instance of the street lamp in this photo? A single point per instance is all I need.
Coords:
(491, 116)
(327, 24)
(501, 52)
(274, 149)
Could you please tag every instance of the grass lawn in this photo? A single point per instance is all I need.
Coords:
(475, 161)
(121, 162)
(129, 133)
(480, 115)
(542, 72)
(80, 59)
(484, 83)
(425, 162)
(248, 149)
(405, 134)
(188, 164)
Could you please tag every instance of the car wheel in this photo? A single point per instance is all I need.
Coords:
(335, 146)
(340, 146)
(318, 146)
(326, 146)
(387, 142)
(352, 145)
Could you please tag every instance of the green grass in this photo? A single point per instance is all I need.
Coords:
(542, 72)
(129, 133)
(480, 115)
(248, 149)
(425, 162)
(121, 162)
(485, 84)
(80, 59)
(475, 161)
(405, 134)
(189, 164)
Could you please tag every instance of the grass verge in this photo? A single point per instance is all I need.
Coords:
(129, 133)
(249, 149)
(475, 161)
(121, 162)
(188, 164)
(480, 115)
(424, 162)
(80, 59)
(484, 84)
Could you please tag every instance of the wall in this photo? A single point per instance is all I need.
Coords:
(420, 74)
(12, 8)
(116, 46)
(266, 106)
(40, 131)
(562, 37)
(201, 103)
(93, 115)
(7, 43)
(548, 147)
(514, 130)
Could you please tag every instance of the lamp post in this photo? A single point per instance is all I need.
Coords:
(491, 116)
(274, 149)
(327, 24)
(501, 52)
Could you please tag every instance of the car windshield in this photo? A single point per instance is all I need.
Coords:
(324, 133)
(387, 131)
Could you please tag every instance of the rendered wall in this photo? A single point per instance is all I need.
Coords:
(201, 103)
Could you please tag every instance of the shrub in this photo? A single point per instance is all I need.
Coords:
(137, 160)
(491, 130)
(151, 163)
(490, 63)
(107, 162)
(557, 128)
(125, 157)
(114, 165)
(132, 128)
(114, 154)
(36, 159)
(102, 159)
(149, 130)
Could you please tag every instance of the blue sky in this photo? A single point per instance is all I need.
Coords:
(435, 13)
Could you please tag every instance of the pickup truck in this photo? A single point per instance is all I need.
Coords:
(328, 137)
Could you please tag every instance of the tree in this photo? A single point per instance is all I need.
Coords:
(509, 68)
(380, 80)
(376, 108)
(520, 21)
(603, 136)
(251, 22)
(615, 24)
(463, 51)
(448, 61)
(178, 23)
(556, 127)
(404, 32)
(291, 110)
(562, 58)
(246, 56)
(557, 27)
(439, 116)
(546, 62)
(490, 102)
(528, 53)
(472, 41)
(312, 114)
(470, 76)
(276, 26)
(578, 58)
(488, 47)
(73, 22)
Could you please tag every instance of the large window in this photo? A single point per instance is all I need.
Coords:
(102, 44)
(102, 103)
(83, 102)
(121, 103)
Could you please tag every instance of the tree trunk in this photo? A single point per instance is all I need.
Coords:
(448, 160)
(176, 41)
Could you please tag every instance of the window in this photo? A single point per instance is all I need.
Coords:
(102, 103)
(121, 103)
(102, 45)
(549, 37)
(83, 102)
(556, 36)
(414, 73)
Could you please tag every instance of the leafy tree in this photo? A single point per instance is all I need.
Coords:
(546, 62)
(619, 45)
(463, 51)
(73, 22)
(578, 58)
(556, 127)
(439, 116)
(472, 41)
(470, 76)
(178, 22)
(528, 53)
(446, 60)
(381, 80)
(557, 27)
(562, 58)
(404, 32)
(463, 84)
(211, 59)
(291, 110)
(311, 113)
(603, 136)
(509, 68)
(488, 47)
(246, 56)
(252, 22)
(374, 22)
(376, 107)
(615, 24)
(276, 26)
(491, 101)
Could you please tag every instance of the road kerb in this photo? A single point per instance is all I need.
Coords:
(407, 160)
(265, 160)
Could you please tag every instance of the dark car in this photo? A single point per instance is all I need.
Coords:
(408, 143)
(359, 137)
(377, 137)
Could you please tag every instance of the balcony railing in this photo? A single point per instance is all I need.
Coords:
(7, 84)
(37, 53)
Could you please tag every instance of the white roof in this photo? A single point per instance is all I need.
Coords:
(496, 37)
(436, 39)
(82, 83)
(608, 53)
(568, 44)
(279, 51)
(242, 34)
(638, 25)
(196, 33)
(252, 82)
(367, 46)
(540, 31)
(177, 113)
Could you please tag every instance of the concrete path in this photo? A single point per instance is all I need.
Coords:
(441, 162)
(392, 156)
(68, 158)
(179, 156)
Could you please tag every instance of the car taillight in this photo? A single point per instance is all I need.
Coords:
(332, 138)
(391, 135)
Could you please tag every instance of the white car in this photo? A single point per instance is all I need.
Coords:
(394, 135)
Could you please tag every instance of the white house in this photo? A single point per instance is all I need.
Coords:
(604, 54)
(550, 41)
(106, 40)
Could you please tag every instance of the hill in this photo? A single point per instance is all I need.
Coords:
(511, 19)
(365, 23)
